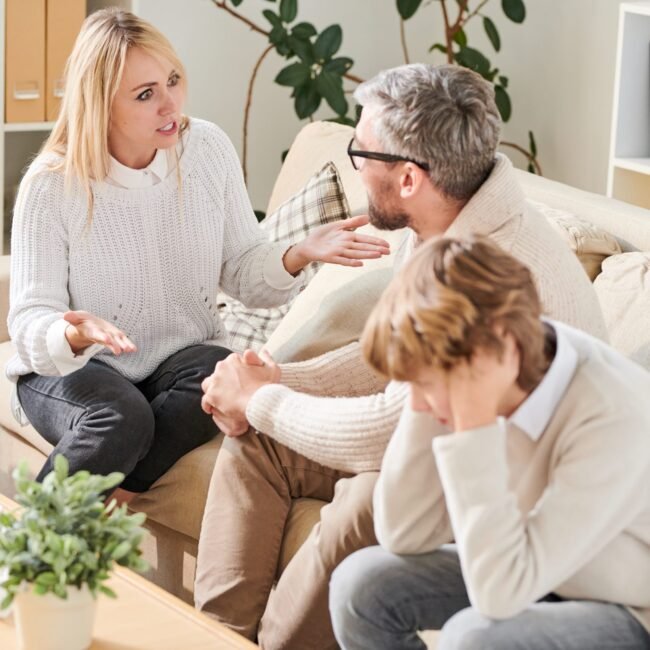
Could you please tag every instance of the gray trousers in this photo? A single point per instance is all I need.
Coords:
(379, 600)
(102, 422)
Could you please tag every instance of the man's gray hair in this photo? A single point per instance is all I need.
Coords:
(444, 116)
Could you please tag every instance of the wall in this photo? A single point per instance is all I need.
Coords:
(560, 63)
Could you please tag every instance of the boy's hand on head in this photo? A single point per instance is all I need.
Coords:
(477, 389)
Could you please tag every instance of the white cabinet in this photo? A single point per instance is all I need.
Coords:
(19, 142)
(629, 159)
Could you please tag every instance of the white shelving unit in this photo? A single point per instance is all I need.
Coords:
(629, 159)
(21, 140)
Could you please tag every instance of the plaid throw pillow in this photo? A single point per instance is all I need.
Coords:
(321, 201)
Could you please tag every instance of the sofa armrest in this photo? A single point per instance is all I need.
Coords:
(4, 296)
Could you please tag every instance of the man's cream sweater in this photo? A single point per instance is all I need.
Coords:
(567, 513)
(309, 414)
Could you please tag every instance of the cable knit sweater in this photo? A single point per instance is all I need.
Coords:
(151, 261)
(351, 433)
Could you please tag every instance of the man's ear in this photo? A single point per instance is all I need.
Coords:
(410, 181)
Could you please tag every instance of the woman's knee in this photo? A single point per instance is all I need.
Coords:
(123, 422)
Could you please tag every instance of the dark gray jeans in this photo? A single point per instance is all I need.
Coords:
(379, 601)
(103, 423)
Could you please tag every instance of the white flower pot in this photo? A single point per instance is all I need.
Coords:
(52, 623)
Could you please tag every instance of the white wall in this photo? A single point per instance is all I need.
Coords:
(560, 62)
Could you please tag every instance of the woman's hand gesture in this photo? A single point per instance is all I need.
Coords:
(86, 328)
(336, 243)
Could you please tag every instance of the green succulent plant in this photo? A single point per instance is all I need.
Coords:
(65, 535)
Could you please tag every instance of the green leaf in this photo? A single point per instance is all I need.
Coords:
(460, 37)
(236, 3)
(303, 48)
(514, 9)
(339, 66)
(107, 591)
(492, 33)
(503, 81)
(121, 550)
(284, 155)
(328, 43)
(502, 100)
(277, 36)
(532, 144)
(303, 30)
(407, 8)
(531, 168)
(330, 86)
(295, 74)
(47, 579)
(307, 100)
(438, 46)
(259, 215)
(61, 467)
(474, 60)
(342, 119)
(272, 17)
(288, 10)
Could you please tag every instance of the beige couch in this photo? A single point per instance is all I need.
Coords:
(175, 503)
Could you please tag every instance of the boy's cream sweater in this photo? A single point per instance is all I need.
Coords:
(567, 513)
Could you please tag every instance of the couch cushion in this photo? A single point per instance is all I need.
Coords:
(319, 202)
(623, 289)
(7, 420)
(589, 242)
(630, 224)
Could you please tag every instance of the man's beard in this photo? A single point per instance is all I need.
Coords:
(386, 218)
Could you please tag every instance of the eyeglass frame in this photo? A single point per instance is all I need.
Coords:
(381, 157)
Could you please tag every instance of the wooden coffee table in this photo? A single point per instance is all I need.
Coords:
(143, 617)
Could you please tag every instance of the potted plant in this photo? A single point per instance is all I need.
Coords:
(57, 551)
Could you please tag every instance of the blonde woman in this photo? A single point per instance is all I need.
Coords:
(527, 443)
(125, 226)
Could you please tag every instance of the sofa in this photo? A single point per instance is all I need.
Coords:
(174, 505)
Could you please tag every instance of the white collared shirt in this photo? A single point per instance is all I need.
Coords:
(535, 412)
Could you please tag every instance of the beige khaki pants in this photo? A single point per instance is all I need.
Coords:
(252, 487)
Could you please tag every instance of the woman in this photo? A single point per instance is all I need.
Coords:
(526, 443)
(125, 226)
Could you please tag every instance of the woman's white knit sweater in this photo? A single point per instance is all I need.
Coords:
(151, 262)
(307, 412)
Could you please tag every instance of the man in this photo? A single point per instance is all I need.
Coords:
(527, 443)
(425, 147)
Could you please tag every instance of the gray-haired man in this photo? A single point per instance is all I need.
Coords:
(425, 147)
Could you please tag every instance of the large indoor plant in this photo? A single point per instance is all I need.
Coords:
(57, 551)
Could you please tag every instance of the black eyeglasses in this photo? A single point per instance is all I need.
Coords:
(382, 157)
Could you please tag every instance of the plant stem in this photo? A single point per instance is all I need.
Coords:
(221, 4)
(529, 156)
(471, 15)
(448, 34)
(247, 110)
(402, 37)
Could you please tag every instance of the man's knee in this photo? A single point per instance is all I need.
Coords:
(349, 515)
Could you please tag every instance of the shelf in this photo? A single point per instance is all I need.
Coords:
(639, 165)
(642, 8)
(17, 127)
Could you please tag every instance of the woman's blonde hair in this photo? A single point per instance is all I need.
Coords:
(453, 297)
(93, 74)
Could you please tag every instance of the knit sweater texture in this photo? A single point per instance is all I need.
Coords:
(331, 409)
(567, 513)
(151, 261)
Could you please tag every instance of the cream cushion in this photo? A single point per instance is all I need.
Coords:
(589, 242)
(623, 289)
